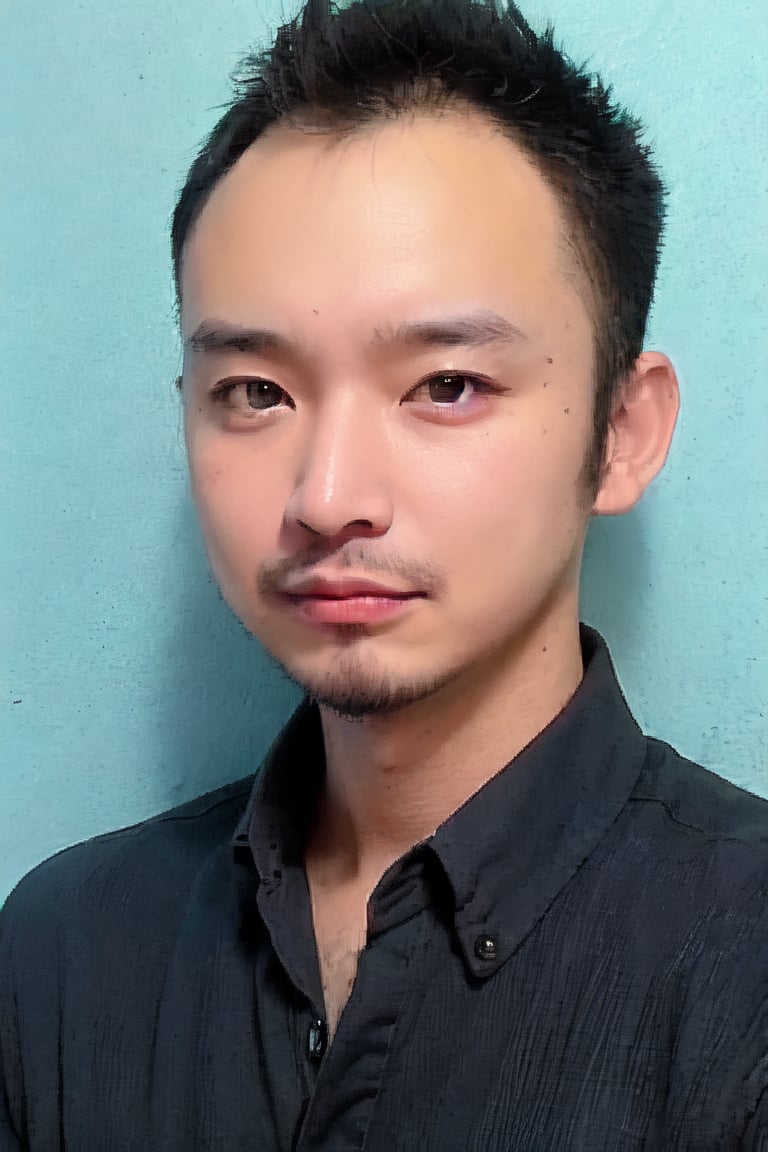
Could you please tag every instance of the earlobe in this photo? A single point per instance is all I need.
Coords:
(642, 426)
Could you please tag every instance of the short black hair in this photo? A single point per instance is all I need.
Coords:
(339, 69)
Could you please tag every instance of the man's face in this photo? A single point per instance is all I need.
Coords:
(448, 469)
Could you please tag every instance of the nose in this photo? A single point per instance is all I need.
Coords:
(341, 474)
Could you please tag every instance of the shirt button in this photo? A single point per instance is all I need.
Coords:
(317, 1039)
(485, 947)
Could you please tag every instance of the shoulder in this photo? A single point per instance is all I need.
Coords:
(705, 841)
(697, 799)
(81, 880)
(698, 844)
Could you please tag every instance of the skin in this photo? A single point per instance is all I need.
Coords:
(348, 468)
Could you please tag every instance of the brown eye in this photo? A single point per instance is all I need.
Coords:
(446, 389)
(259, 393)
(248, 394)
(452, 389)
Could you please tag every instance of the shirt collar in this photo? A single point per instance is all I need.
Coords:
(275, 823)
(510, 849)
(513, 846)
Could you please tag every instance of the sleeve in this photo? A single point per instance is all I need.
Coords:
(11, 1081)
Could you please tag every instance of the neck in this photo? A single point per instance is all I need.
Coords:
(392, 780)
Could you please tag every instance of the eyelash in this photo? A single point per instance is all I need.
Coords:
(221, 393)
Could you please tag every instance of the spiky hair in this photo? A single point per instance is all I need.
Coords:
(337, 70)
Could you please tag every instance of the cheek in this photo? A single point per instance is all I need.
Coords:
(532, 458)
(208, 474)
(516, 499)
(232, 496)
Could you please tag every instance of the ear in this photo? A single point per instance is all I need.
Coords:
(640, 433)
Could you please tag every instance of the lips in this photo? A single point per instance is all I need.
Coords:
(342, 588)
(368, 609)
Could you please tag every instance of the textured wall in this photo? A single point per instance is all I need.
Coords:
(126, 685)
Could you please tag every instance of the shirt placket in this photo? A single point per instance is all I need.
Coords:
(348, 1074)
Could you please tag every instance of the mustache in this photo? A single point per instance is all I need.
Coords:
(362, 560)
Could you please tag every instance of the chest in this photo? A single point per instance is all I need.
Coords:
(340, 923)
(546, 1054)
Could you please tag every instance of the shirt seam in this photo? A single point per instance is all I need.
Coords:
(692, 827)
(159, 818)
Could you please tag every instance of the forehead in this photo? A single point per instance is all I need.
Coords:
(444, 210)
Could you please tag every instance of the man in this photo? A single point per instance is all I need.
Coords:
(465, 905)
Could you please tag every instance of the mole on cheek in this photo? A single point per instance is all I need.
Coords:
(550, 360)
(566, 411)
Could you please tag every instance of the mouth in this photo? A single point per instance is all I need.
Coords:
(370, 608)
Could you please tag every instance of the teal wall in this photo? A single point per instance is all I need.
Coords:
(126, 686)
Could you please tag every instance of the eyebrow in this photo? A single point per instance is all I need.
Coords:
(470, 329)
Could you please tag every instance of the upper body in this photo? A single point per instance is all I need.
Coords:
(414, 262)
(576, 959)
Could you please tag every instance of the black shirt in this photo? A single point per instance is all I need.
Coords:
(576, 960)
